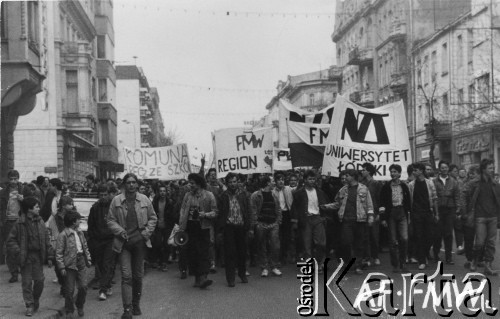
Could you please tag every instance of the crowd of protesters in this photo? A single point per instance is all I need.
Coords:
(259, 220)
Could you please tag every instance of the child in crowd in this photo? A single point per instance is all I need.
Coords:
(73, 258)
(29, 242)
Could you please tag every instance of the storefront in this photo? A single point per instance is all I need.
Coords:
(472, 147)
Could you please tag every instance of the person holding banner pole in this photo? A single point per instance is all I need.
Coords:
(372, 235)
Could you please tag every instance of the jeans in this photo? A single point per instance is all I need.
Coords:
(372, 240)
(469, 234)
(459, 231)
(424, 225)
(161, 249)
(486, 235)
(10, 260)
(353, 234)
(32, 278)
(313, 233)
(78, 278)
(398, 231)
(268, 236)
(285, 236)
(106, 262)
(444, 231)
(132, 269)
(235, 249)
(198, 249)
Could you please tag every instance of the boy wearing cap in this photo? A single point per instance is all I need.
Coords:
(73, 258)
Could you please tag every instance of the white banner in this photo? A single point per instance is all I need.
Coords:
(282, 160)
(358, 135)
(164, 163)
(241, 150)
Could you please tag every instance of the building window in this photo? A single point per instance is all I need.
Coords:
(460, 51)
(93, 89)
(433, 66)
(3, 21)
(33, 23)
(444, 59)
(101, 46)
(426, 69)
(103, 90)
(72, 91)
(419, 73)
(460, 96)
(470, 43)
(483, 88)
(472, 96)
(446, 104)
(311, 99)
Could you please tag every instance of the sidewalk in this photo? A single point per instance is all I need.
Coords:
(11, 297)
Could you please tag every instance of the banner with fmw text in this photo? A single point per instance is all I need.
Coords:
(304, 132)
(358, 135)
(241, 150)
(164, 163)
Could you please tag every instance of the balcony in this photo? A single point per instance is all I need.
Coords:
(108, 153)
(362, 98)
(355, 97)
(398, 81)
(397, 31)
(359, 56)
(104, 69)
(81, 117)
(335, 73)
(106, 111)
(442, 130)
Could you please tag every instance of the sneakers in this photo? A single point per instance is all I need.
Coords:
(376, 262)
(413, 260)
(80, 312)
(109, 292)
(205, 282)
(127, 314)
(244, 279)
(13, 279)
(102, 296)
(29, 312)
(276, 272)
(183, 274)
(488, 271)
(136, 310)
(421, 266)
(460, 250)
(358, 271)
(264, 273)
(212, 269)
(473, 266)
(164, 268)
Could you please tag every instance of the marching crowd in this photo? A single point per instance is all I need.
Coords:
(257, 220)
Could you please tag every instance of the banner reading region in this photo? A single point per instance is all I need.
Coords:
(358, 135)
(245, 151)
(164, 163)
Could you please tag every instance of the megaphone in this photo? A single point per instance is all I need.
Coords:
(181, 238)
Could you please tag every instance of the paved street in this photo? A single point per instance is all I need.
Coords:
(167, 296)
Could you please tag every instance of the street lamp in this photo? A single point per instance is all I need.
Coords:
(135, 136)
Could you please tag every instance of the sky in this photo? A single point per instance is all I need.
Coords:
(216, 63)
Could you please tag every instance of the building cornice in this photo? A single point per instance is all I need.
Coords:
(75, 10)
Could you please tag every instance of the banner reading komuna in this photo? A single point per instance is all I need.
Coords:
(164, 163)
(358, 135)
(245, 151)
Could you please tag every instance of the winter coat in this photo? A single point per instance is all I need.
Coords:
(98, 229)
(66, 251)
(17, 241)
(386, 199)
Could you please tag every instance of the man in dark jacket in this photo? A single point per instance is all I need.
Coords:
(167, 218)
(308, 211)
(101, 240)
(484, 199)
(394, 210)
(233, 223)
(11, 198)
